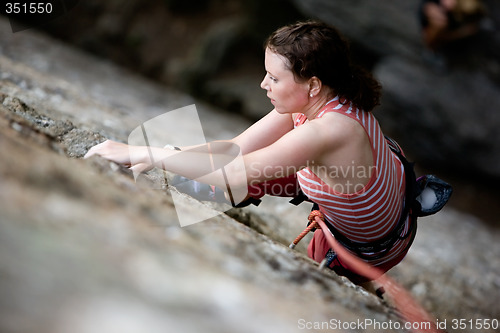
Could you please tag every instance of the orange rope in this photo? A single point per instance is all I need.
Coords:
(411, 311)
(312, 225)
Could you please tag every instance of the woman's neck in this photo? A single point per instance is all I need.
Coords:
(317, 104)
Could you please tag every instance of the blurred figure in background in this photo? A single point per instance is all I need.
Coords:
(446, 21)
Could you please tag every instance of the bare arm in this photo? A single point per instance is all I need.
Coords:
(203, 163)
(194, 163)
(264, 132)
(302, 147)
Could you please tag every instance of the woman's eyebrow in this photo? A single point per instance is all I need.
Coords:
(268, 72)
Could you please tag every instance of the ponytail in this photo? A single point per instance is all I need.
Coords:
(363, 90)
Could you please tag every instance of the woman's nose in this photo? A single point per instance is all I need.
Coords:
(264, 84)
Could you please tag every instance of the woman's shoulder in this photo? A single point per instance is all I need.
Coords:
(337, 128)
(339, 121)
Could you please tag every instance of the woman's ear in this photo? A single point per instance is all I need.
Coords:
(314, 86)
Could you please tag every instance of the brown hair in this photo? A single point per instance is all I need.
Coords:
(317, 49)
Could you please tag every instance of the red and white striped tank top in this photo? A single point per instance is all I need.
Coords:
(373, 211)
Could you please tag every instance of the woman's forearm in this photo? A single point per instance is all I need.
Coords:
(217, 163)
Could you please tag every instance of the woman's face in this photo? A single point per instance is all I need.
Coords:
(287, 95)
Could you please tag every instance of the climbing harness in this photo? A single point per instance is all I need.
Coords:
(410, 310)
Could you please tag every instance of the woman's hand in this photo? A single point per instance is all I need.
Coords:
(132, 156)
(111, 150)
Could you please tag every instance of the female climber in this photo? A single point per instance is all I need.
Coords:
(321, 138)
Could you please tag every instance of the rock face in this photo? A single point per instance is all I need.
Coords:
(84, 248)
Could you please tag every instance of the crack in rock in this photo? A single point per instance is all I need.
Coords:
(61, 136)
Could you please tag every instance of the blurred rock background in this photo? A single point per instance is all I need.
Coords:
(84, 248)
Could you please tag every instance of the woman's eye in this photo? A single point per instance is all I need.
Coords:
(273, 79)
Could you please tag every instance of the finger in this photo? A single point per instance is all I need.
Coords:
(95, 149)
(90, 152)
